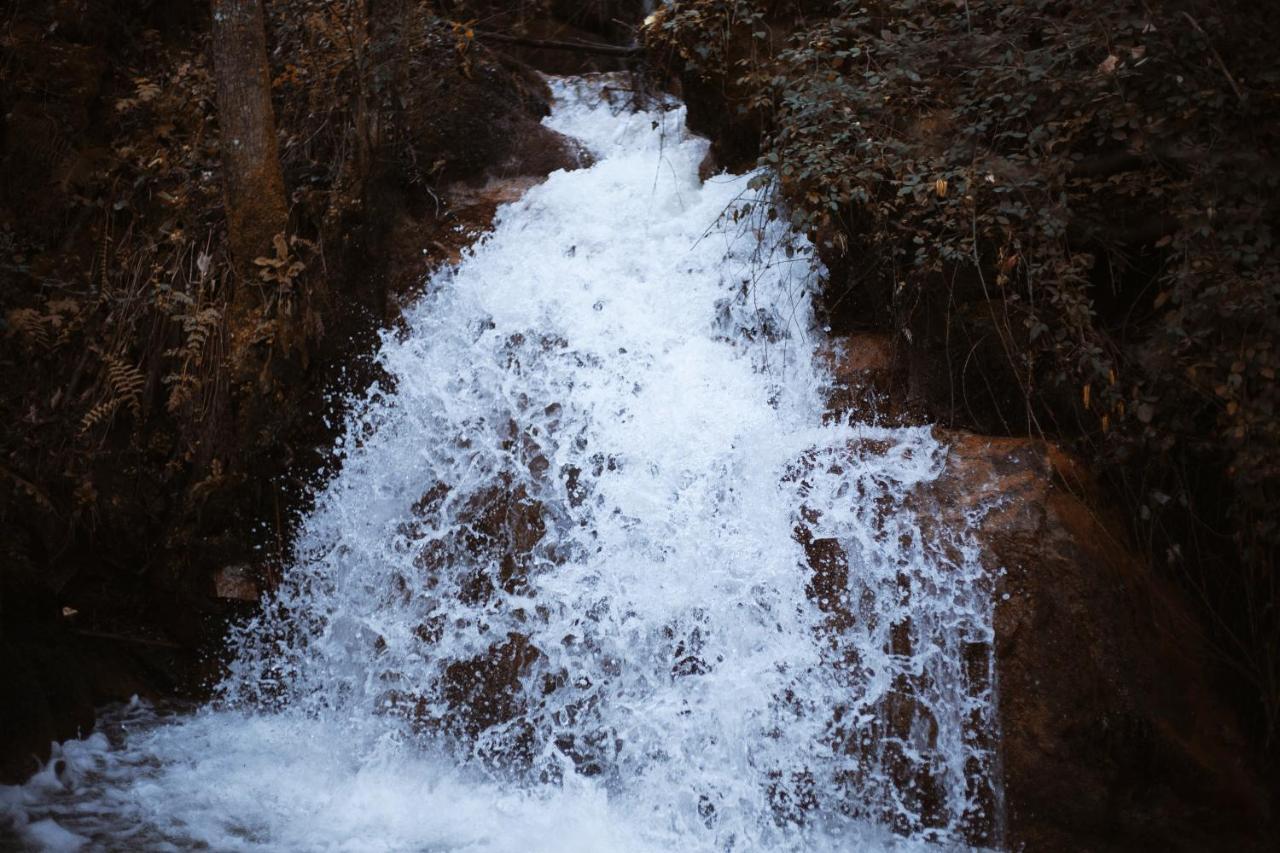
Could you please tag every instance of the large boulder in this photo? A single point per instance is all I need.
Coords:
(52, 682)
(868, 374)
(1113, 733)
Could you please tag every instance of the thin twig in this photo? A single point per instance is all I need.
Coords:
(122, 638)
(1217, 56)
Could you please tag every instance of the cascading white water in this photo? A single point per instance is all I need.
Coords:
(558, 597)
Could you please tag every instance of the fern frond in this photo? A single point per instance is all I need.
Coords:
(182, 391)
(104, 261)
(126, 383)
(98, 414)
(30, 325)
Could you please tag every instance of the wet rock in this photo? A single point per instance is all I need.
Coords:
(886, 736)
(507, 525)
(27, 726)
(1113, 735)
(542, 152)
(476, 118)
(866, 371)
(50, 686)
(502, 527)
(829, 585)
(432, 499)
(485, 691)
(474, 693)
(236, 583)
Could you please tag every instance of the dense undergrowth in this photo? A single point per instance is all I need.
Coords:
(1063, 211)
(152, 434)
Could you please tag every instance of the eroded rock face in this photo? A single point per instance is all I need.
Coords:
(1113, 737)
(867, 371)
(906, 635)
(1113, 734)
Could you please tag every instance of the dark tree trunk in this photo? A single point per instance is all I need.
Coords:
(251, 176)
(388, 22)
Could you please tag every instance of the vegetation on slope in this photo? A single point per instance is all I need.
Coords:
(161, 397)
(1064, 211)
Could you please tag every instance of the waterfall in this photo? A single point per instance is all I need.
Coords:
(594, 573)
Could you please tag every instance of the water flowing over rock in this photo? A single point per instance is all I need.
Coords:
(598, 572)
(1114, 737)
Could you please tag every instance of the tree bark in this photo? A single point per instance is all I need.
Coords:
(252, 181)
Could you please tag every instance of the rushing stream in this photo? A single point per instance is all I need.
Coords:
(558, 597)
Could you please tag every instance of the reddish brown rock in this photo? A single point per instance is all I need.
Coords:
(1113, 736)
(866, 370)
(485, 691)
(236, 583)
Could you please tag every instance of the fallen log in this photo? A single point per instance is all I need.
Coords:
(548, 44)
